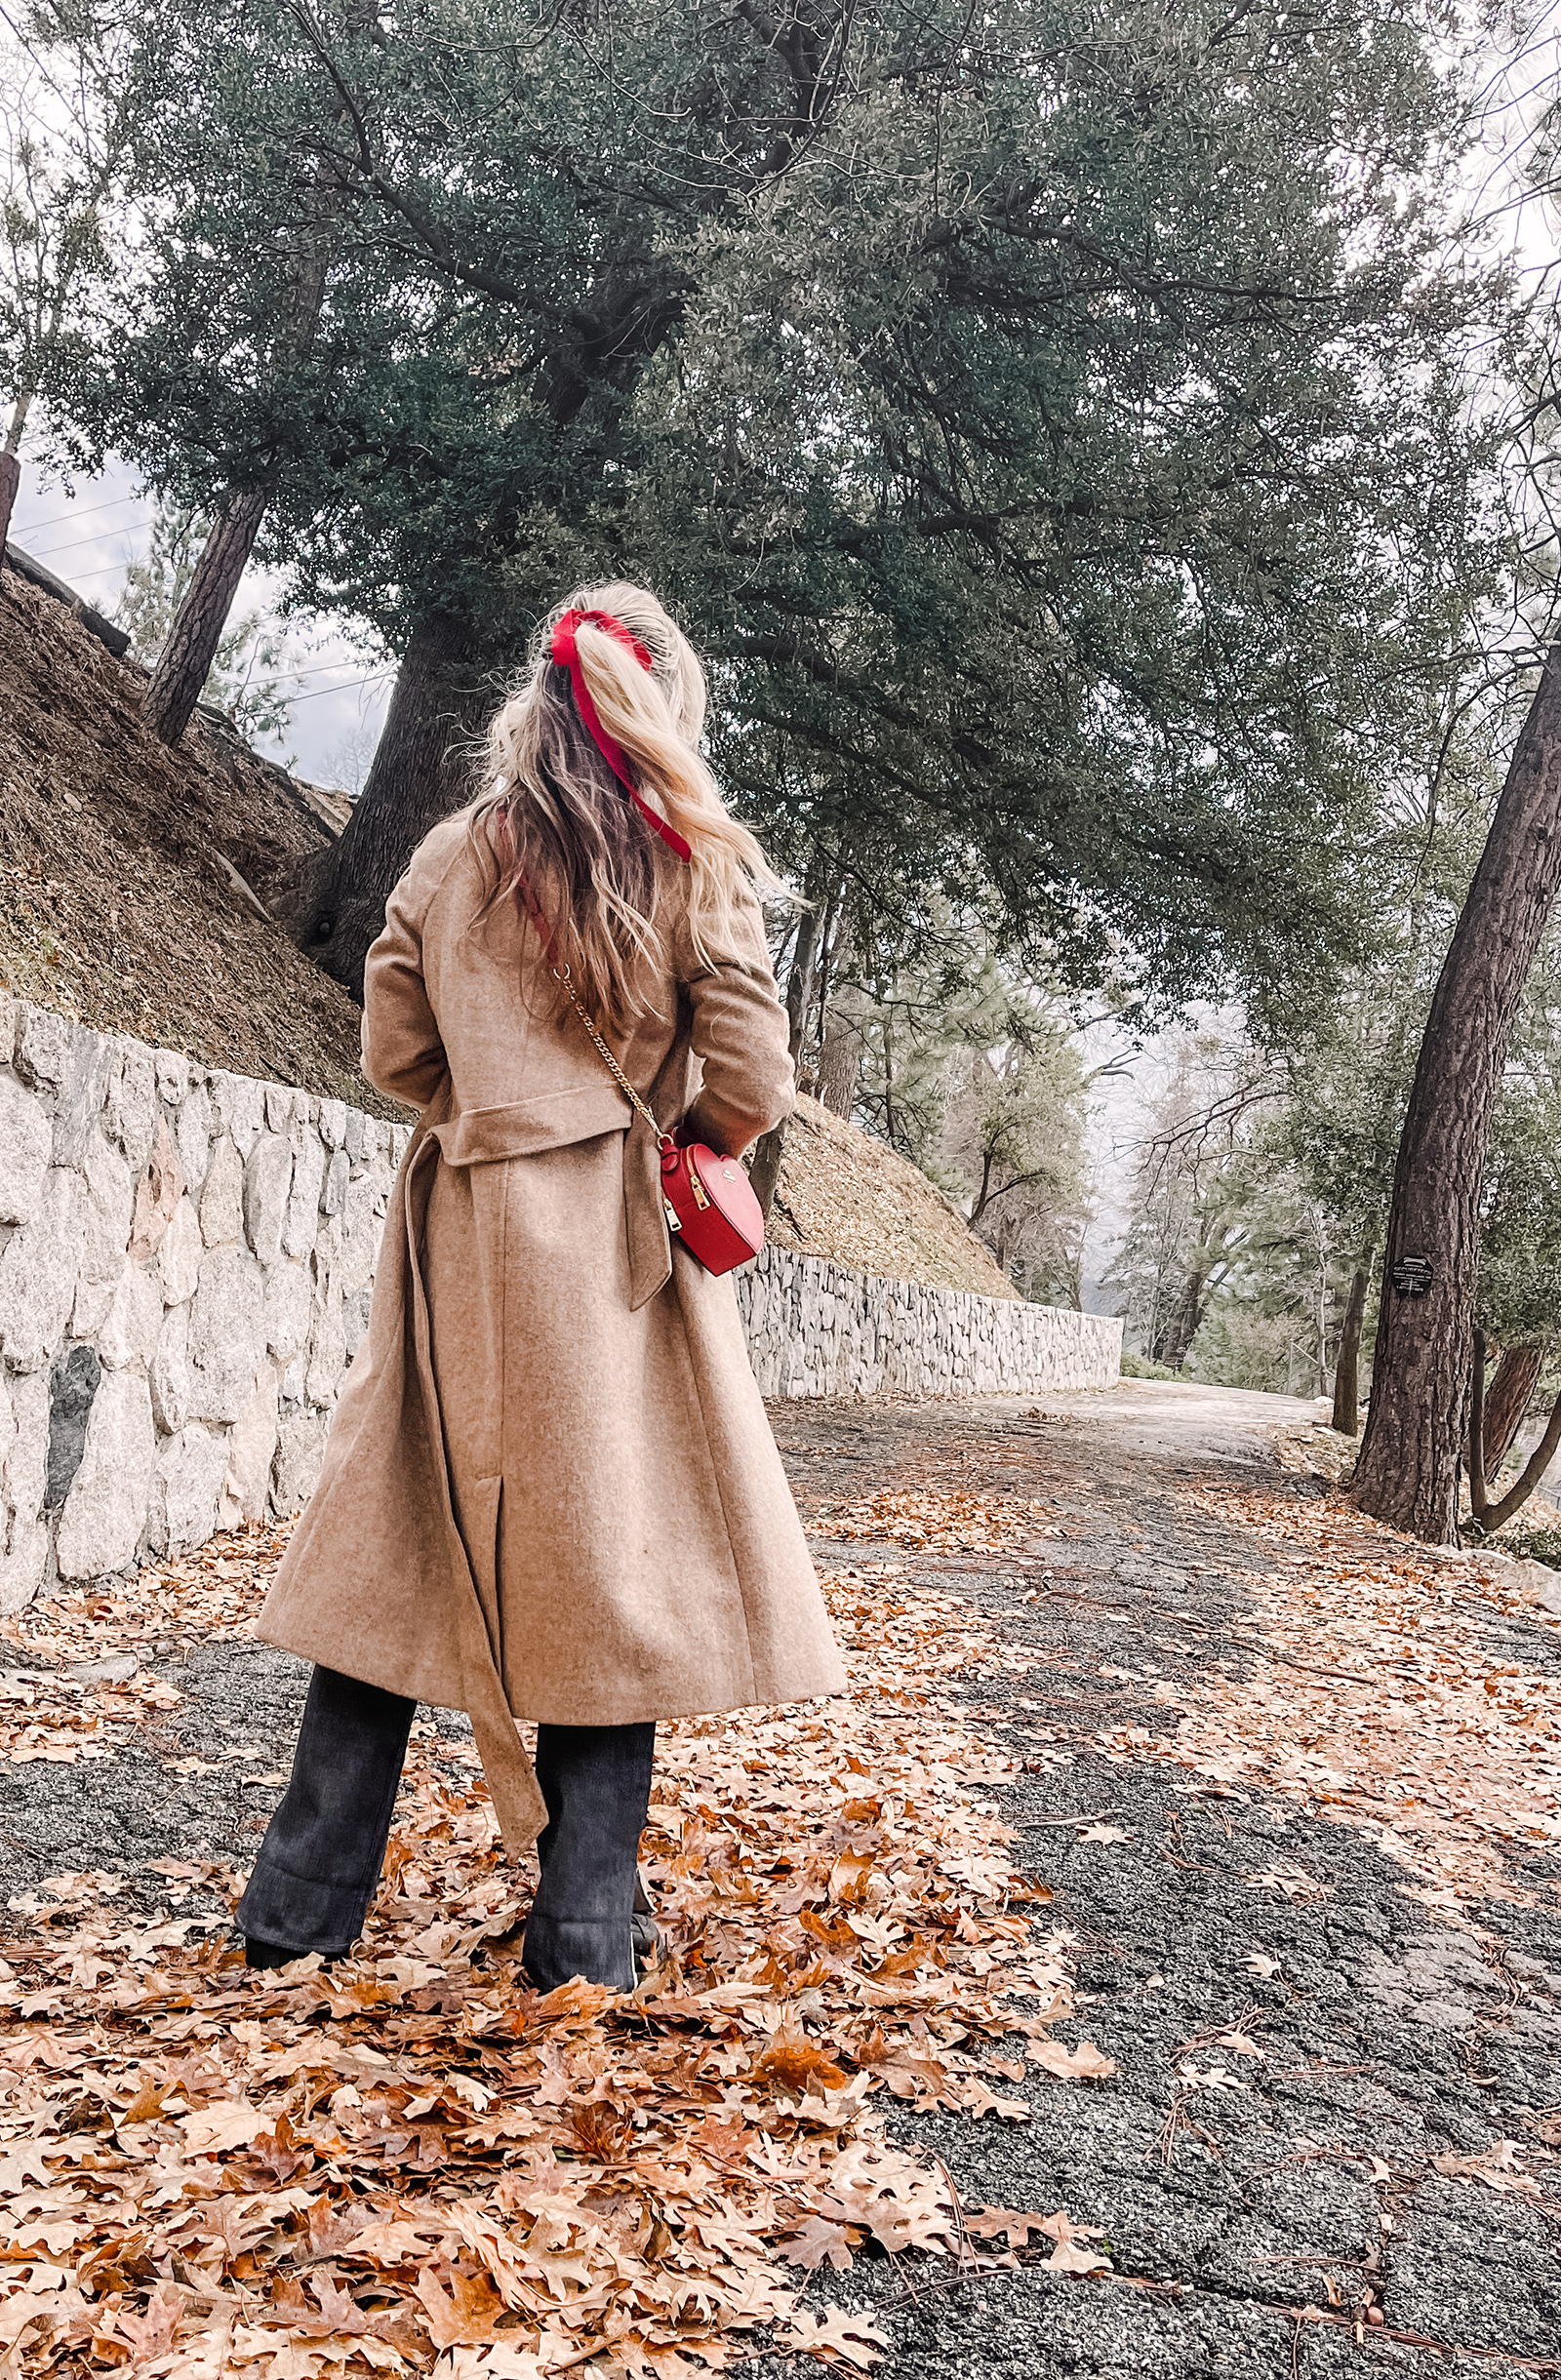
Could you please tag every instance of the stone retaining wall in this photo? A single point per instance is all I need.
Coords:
(819, 1330)
(186, 1263)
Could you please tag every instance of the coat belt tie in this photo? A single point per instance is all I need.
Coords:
(517, 1798)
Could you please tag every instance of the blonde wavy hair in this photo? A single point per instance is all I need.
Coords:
(556, 821)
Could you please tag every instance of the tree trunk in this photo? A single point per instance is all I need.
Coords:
(1175, 1340)
(984, 1193)
(1407, 1470)
(1322, 1322)
(9, 482)
(1347, 1372)
(334, 906)
(840, 1068)
(185, 660)
(1506, 1401)
(765, 1171)
(1533, 1470)
(1479, 1501)
(841, 1049)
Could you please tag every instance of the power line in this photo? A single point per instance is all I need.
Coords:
(72, 513)
(94, 537)
(316, 691)
(94, 569)
(346, 687)
(319, 668)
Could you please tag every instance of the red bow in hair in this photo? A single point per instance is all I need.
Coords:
(567, 654)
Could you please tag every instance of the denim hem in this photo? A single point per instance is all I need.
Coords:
(558, 1949)
(299, 1912)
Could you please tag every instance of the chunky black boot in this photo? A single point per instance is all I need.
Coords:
(310, 1887)
(273, 1954)
(596, 1782)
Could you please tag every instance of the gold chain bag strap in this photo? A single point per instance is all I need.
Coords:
(708, 1198)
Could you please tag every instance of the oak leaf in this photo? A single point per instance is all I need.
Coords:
(27, 2309)
(464, 2315)
(722, 2136)
(148, 2104)
(150, 2334)
(1292, 1882)
(833, 1937)
(1006, 2223)
(837, 2337)
(849, 1877)
(1209, 2078)
(277, 2153)
(227, 2123)
(817, 2242)
(24, 2163)
(1069, 2257)
(601, 2130)
(1085, 2063)
(793, 2063)
(980, 2102)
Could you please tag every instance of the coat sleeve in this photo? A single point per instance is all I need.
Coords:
(403, 1054)
(741, 1035)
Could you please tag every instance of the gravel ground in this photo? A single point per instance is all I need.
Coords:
(1246, 2225)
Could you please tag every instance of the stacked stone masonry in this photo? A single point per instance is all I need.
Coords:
(185, 1264)
(187, 1259)
(818, 1330)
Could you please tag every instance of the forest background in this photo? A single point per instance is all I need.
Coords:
(1104, 454)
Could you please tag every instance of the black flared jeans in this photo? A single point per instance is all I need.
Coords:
(318, 1865)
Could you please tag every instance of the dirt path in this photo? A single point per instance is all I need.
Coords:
(1332, 2135)
(1252, 2201)
(1179, 1420)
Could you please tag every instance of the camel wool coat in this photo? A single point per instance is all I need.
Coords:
(550, 1490)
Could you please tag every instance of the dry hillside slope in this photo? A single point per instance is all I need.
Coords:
(845, 1195)
(118, 908)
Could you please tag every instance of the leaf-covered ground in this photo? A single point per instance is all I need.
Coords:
(1154, 1967)
(412, 2156)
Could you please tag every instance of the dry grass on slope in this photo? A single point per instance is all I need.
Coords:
(847, 1195)
(114, 905)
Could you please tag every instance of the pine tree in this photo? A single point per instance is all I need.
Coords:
(1014, 408)
(245, 681)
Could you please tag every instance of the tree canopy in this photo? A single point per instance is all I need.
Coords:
(1050, 423)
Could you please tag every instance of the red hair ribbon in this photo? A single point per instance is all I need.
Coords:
(567, 654)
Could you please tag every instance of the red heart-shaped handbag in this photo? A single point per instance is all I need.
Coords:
(711, 1205)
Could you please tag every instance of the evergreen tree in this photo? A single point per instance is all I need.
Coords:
(1188, 1210)
(1030, 415)
(68, 83)
(245, 681)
